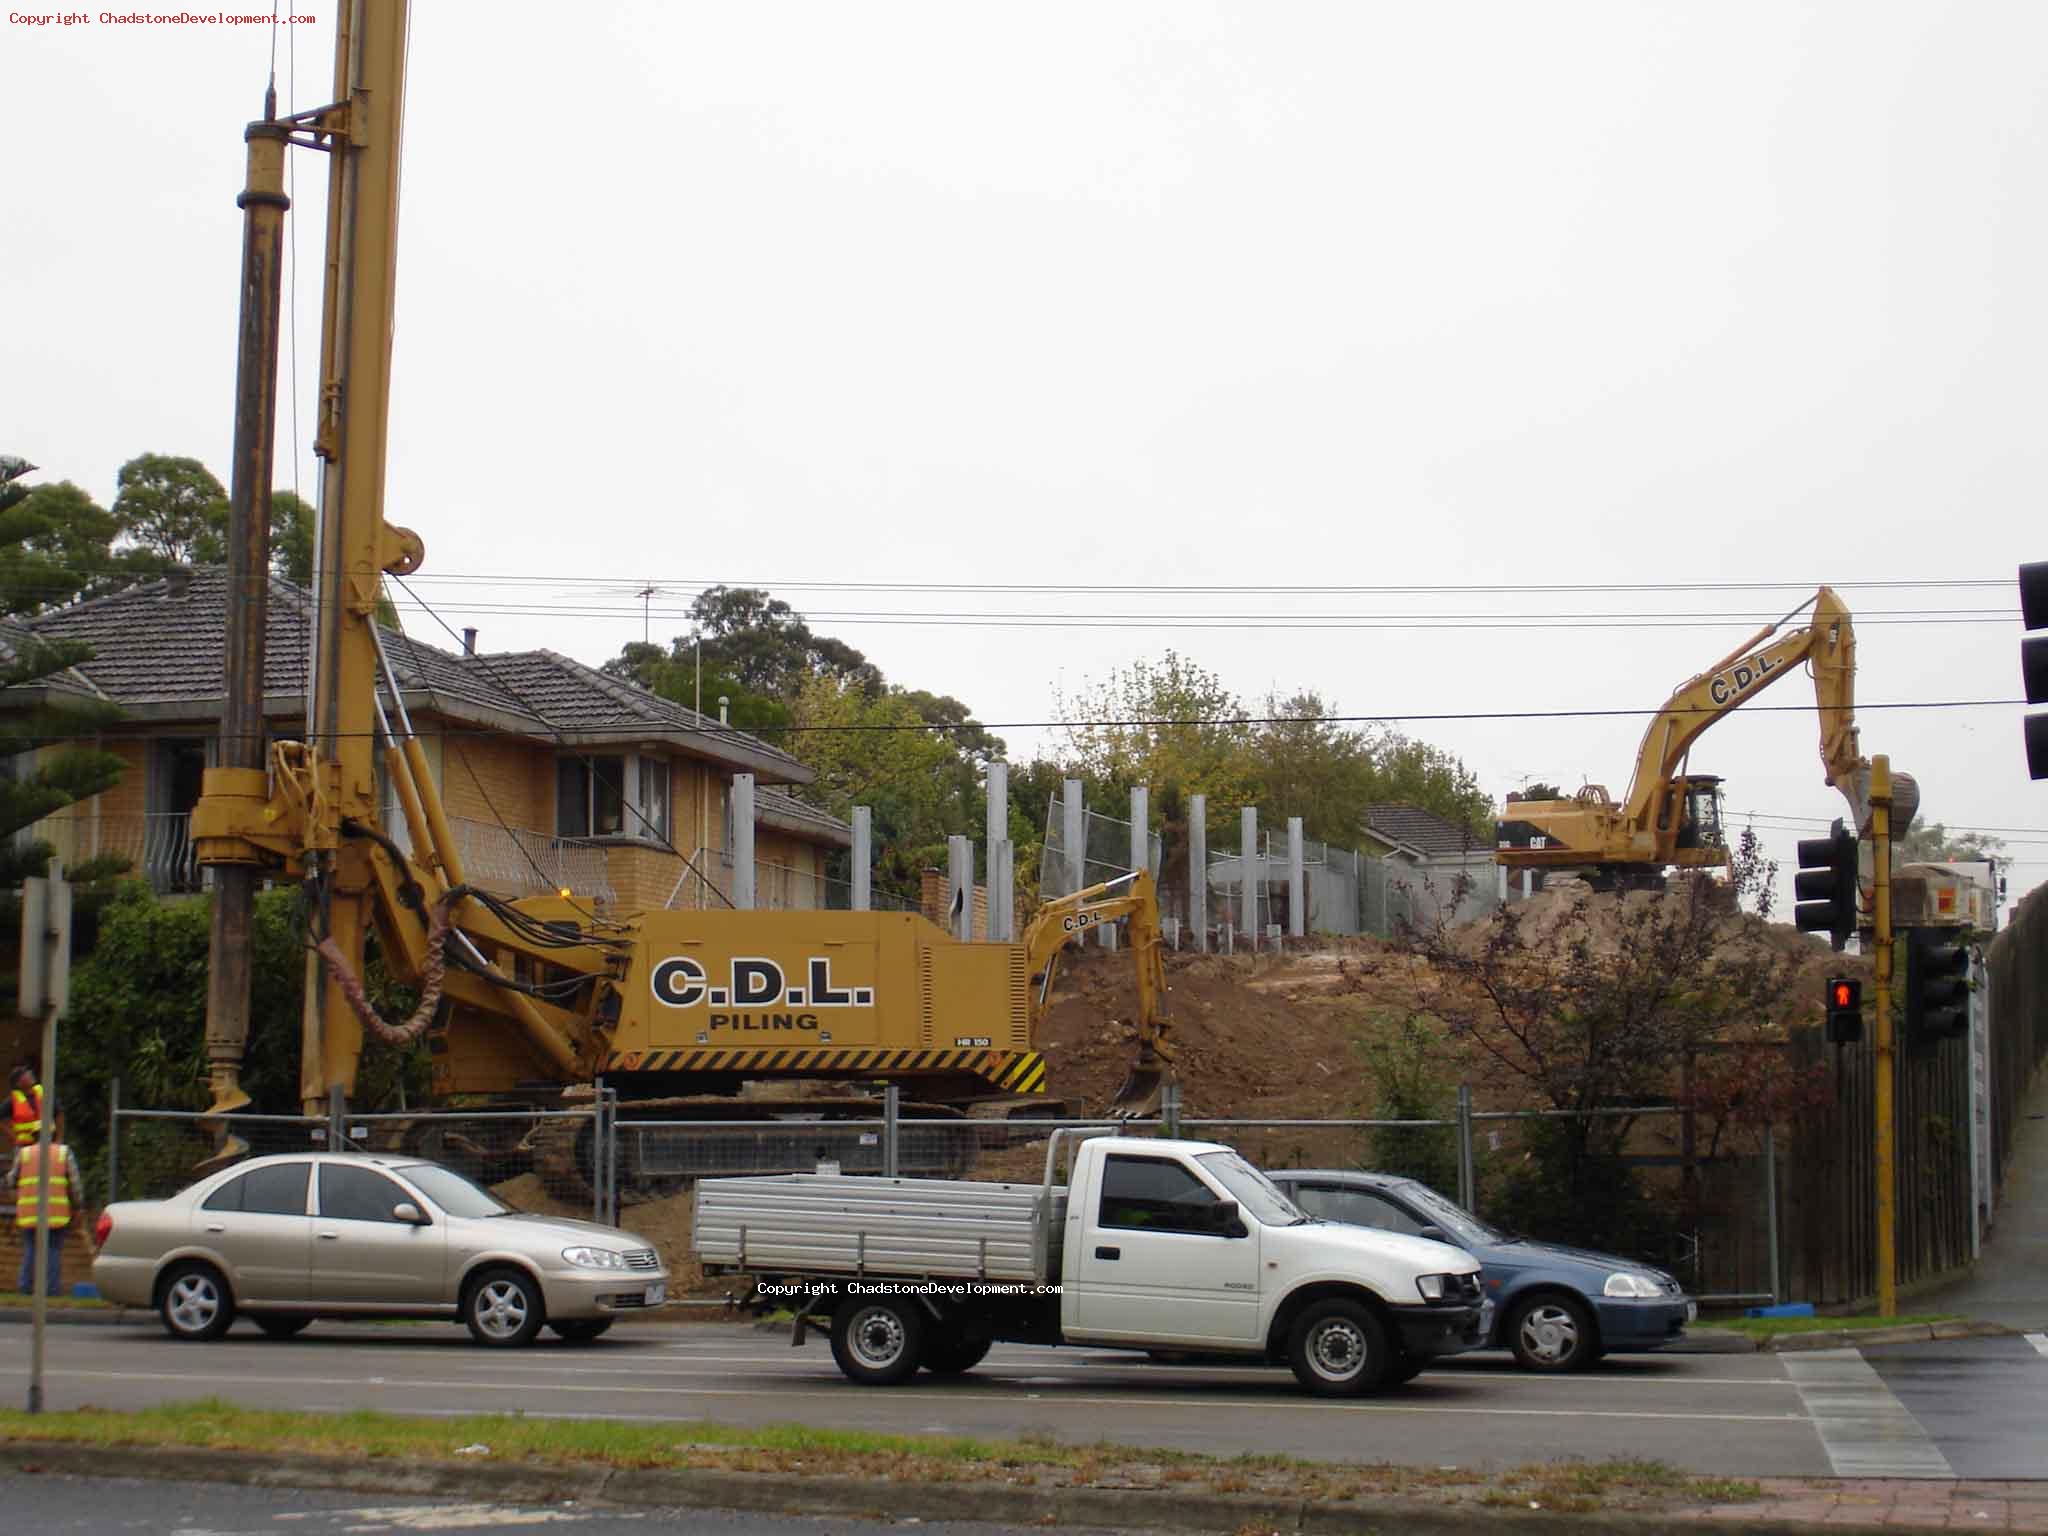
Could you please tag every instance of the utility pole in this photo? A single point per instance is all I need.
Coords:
(45, 989)
(1887, 1056)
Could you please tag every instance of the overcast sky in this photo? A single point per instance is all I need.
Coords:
(1151, 296)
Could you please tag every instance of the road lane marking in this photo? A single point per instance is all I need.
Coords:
(843, 1394)
(2039, 1341)
(1013, 1370)
(1866, 1431)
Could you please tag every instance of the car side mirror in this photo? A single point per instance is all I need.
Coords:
(408, 1213)
(1434, 1234)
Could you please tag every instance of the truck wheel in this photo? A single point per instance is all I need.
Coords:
(1338, 1348)
(1552, 1333)
(951, 1353)
(878, 1343)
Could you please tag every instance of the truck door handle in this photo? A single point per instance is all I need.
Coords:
(330, 1236)
(214, 1226)
(1109, 1253)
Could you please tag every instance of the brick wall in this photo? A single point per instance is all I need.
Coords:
(517, 777)
(932, 902)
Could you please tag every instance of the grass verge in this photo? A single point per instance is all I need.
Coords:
(1771, 1327)
(1032, 1460)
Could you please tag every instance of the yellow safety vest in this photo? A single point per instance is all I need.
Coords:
(28, 1187)
(28, 1116)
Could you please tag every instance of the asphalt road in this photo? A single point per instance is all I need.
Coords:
(58, 1506)
(1735, 1415)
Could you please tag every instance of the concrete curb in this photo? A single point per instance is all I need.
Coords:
(1905, 1333)
(1149, 1508)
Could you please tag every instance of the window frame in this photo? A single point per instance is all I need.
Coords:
(241, 1180)
(406, 1196)
(1180, 1226)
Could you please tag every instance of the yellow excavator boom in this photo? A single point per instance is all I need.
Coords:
(1655, 825)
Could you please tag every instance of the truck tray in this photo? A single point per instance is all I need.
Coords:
(842, 1224)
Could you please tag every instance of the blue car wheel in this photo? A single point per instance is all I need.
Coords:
(1552, 1332)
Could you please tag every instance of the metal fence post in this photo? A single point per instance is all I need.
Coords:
(599, 1202)
(337, 1117)
(1468, 1179)
(1169, 1110)
(1771, 1203)
(114, 1139)
(892, 1109)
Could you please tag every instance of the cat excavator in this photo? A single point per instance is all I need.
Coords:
(1672, 817)
(523, 1000)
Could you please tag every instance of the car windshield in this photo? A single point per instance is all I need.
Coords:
(1252, 1190)
(452, 1192)
(1451, 1216)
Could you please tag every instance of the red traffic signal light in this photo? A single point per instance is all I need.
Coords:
(1845, 1010)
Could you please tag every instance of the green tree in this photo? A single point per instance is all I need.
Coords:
(765, 645)
(138, 1011)
(875, 750)
(52, 541)
(1933, 843)
(292, 521)
(173, 509)
(1171, 725)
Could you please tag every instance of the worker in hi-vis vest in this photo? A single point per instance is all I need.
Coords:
(65, 1194)
(25, 1104)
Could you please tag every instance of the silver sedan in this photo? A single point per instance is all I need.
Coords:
(288, 1239)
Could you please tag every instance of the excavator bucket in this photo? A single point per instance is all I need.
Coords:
(1139, 1096)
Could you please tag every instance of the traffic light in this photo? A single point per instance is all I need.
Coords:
(2034, 663)
(1825, 886)
(1845, 1010)
(1937, 985)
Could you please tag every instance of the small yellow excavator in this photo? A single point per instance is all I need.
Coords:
(1672, 817)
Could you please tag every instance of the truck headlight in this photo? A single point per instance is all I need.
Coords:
(1435, 1287)
(594, 1258)
(1622, 1283)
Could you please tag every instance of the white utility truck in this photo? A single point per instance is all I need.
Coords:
(1172, 1247)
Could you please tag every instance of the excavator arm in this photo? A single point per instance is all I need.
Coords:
(1648, 827)
(1059, 922)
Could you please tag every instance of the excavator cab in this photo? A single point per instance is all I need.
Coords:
(1699, 823)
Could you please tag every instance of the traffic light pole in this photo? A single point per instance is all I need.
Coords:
(1882, 1034)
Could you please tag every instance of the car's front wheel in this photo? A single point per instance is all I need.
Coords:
(1552, 1333)
(1338, 1348)
(195, 1303)
(504, 1308)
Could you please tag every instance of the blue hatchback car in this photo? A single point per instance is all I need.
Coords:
(1557, 1308)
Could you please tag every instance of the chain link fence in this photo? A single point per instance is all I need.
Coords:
(1106, 851)
(594, 1163)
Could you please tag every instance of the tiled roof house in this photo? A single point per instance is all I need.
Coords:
(1427, 855)
(552, 772)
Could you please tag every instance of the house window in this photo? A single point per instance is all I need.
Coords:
(590, 796)
(652, 822)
